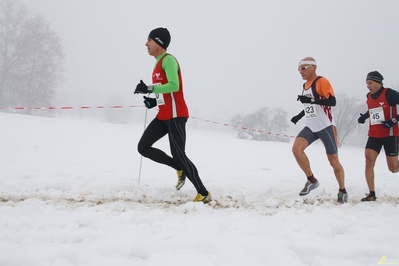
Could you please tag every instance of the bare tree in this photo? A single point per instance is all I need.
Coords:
(263, 124)
(278, 124)
(12, 17)
(346, 113)
(31, 60)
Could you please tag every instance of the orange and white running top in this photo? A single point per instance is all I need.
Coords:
(318, 117)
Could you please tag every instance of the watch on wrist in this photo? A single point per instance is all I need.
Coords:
(394, 120)
(312, 100)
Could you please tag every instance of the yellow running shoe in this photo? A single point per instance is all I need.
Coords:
(204, 199)
(181, 179)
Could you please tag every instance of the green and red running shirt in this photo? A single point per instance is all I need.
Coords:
(167, 79)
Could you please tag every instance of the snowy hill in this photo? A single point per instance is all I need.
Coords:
(70, 195)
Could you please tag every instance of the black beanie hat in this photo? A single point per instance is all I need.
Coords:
(161, 36)
(375, 76)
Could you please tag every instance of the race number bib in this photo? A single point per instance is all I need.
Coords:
(376, 116)
(159, 98)
(310, 110)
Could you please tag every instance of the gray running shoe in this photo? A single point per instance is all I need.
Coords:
(342, 197)
(181, 179)
(309, 186)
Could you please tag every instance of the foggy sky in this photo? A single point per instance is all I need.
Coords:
(235, 56)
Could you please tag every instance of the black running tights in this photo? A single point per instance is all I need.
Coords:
(176, 130)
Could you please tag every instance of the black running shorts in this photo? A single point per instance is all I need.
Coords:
(390, 145)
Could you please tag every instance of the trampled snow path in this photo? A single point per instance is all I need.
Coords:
(266, 203)
(69, 196)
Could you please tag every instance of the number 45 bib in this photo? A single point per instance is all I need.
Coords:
(376, 116)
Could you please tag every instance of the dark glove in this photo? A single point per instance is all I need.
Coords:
(149, 102)
(141, 88)
(389, 123)
(296, 118)
(304, 99)
(362, 118)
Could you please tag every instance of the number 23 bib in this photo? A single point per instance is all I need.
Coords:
(310, 110)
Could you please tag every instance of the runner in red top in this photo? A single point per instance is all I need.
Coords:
(172, 115)
(383, 128)
(174, 103)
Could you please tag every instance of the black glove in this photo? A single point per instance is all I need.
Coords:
(304, 99)
(296, 118)
(149, 102)
(389, 123)
(141, 88)
(362, 118)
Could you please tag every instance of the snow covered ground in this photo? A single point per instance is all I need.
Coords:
(70, 196)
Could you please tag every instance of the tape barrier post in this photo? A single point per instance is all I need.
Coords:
(141, 158)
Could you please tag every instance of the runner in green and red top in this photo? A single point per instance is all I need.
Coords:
(172, 116)
(383, 128)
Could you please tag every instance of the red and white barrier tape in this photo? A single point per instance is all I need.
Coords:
(245, 128)
(135, 106)
(66, 107)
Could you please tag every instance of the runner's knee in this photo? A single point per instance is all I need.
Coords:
(142, 148)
